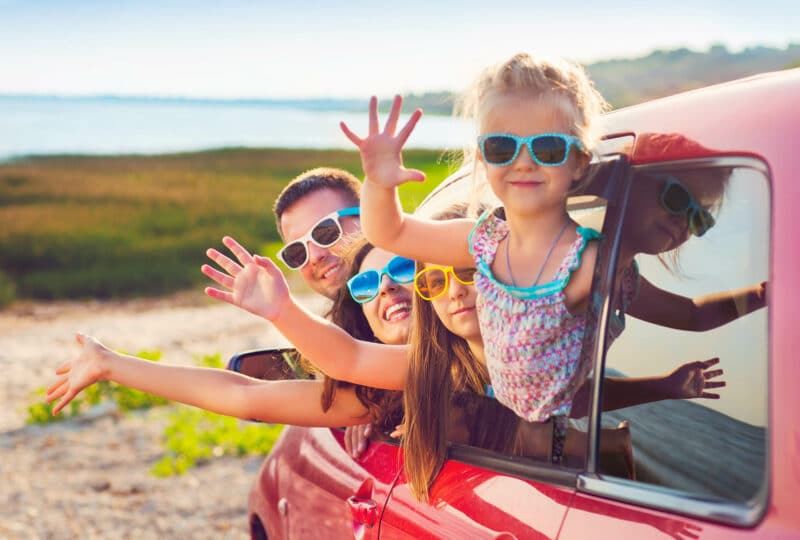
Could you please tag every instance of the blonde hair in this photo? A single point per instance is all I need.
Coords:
(558, 82)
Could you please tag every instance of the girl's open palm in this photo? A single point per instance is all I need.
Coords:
(693, 380)
(381, 155)
(255, 285)
(75, 375)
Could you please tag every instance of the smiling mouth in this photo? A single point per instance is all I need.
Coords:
(397, 312)
(330, 271)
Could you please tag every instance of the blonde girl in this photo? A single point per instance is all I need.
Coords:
(537, 124)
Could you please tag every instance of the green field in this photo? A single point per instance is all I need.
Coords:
(122, 226)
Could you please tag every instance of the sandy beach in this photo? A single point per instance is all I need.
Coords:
(89, 478)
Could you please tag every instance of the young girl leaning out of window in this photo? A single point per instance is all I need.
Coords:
(537, 124)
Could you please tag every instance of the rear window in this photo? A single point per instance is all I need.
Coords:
(696, 236)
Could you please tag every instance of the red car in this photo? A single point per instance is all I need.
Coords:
(702, 468)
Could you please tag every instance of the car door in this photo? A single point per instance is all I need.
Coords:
(309, 487)
(723, 468)
(700, 463)
(482, 495)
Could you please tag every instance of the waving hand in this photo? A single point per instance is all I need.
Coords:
(254, 284)
(75, 375)
(381, 150)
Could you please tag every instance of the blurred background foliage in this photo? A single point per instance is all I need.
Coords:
(121, 226)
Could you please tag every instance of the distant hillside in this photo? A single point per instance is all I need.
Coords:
(661, 73)
(630, 81)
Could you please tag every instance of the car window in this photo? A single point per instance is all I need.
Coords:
(692, 232)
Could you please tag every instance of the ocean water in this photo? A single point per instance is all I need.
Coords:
(46, 125)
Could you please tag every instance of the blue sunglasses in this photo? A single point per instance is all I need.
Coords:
(366, 285)
(677, 199)
(547, 149)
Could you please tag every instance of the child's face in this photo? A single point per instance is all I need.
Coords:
(652, 228)
(389, 313)
(456, 309)
(524, 186)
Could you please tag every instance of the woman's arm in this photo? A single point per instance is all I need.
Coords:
(687, 381)
(216, 390)
(382, 217)
(664, 308)
(258, 286)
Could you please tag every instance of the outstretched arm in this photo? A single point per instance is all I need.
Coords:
(687, 381)
(382, 217)
(220, 391)
(256, 285)
(664, 308)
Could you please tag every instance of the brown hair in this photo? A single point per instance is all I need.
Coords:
(384, 406)
(313, 180)
(440, 365)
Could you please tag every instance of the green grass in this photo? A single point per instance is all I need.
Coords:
(195, 436)
(123, 226)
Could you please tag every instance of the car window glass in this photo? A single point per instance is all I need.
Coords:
(695, 231)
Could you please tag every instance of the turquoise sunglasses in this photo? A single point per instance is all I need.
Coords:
(677, 199)
(366, 285)
(547, 149)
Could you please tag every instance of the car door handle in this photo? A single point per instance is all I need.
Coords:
(363, 510)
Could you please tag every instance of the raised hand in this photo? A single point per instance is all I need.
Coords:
(254, 284)
(381, 155)
(75, 375)
(693, 379)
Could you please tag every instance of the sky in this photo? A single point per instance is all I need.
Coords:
(311, 48)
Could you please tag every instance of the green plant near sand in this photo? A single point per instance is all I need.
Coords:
(192, 435)
(123, 226)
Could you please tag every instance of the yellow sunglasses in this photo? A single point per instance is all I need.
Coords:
(433, 281)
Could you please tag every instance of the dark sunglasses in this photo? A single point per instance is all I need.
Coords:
(433, 281)
(324, 233)
(547, 149)
(365, 286)
(676, 199)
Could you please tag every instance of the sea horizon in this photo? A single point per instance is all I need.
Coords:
(40, 125)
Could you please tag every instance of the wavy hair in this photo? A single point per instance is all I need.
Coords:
(384, 406)
(440, 365)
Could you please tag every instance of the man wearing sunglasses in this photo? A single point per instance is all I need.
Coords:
(313, 212)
